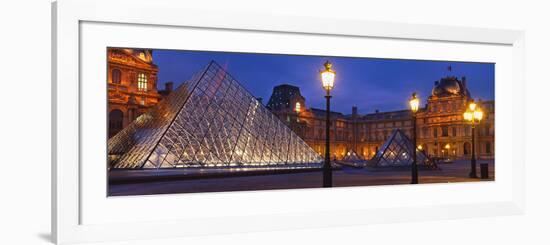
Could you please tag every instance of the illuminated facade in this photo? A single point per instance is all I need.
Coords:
(209, 121)
(132, 85)
(441, 129)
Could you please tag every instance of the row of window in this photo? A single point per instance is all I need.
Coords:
(444, 131)
(116, 76)
(456, 106)
(484, 130)
(484, 148)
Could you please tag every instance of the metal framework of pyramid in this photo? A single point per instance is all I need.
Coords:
(209, 121)
(397, 151)
(351, 156)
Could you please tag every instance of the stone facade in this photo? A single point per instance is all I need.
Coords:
(441, 130)
(132, 85)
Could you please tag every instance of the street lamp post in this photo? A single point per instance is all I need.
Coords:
(414, 103)
(327, 77)
(473, 115)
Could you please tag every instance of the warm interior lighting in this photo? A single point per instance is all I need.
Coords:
(327, 76)
(414, 102)
(142, 82)
(447, 146)
(419, 147)
(297, 108)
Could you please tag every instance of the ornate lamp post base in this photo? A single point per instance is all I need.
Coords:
(327, 176)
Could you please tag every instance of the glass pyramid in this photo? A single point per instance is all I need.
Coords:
(351, 156)
(209, 121)
(397, 151)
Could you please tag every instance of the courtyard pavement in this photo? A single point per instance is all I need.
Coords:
(448, 173)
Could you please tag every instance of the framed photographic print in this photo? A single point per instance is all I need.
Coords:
(211, 123)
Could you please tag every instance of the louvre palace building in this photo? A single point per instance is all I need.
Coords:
(132, 86)
(441, 129)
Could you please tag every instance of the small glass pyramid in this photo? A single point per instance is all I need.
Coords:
(397, 151)
(209, 121)
(351, 156)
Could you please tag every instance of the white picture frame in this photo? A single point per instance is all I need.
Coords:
(70, 198)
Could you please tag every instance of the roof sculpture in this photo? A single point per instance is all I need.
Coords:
(450, 86)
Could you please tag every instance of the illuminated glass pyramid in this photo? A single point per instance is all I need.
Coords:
(397, 151)
(209, 121)
(351, 156)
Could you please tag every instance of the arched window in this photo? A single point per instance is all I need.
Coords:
(444, 131)
(425, 133)
(298, 108)
(115, 76)
(142, 82)
(115, 121)
(467, 147)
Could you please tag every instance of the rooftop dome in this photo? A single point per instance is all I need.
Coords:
(449, 86)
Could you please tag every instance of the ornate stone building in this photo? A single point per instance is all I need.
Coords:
(132, 85)
(441, 130)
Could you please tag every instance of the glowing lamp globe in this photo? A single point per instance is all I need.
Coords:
(414, 103)
(327, 76)
(478, 114)
(472, 106)
(468, 116)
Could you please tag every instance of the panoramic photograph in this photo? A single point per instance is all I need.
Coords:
(182, 121)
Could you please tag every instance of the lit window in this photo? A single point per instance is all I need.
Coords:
(297, 108)
(142, 82)
(115, 76)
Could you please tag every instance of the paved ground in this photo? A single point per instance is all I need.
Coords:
(448, 173)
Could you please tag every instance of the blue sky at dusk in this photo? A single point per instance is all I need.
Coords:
(368, 83)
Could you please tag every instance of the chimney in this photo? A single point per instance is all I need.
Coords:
(376, 111)
(260, 99)
(169, 86)
(436, 83)
(354, 110)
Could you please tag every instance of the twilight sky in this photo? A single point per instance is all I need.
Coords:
(368, 83)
